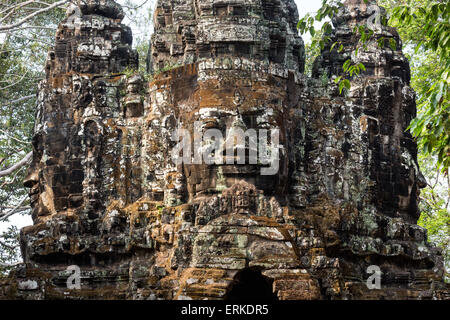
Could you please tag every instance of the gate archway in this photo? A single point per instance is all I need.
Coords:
(250, 284)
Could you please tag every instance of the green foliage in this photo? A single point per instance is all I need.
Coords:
(324, 78)
(148, 77)
(312, 51)
(160, 209)
(350, 69)
(9, 249)
(321, 38)
(434, 207)
(129, 72)
(425, 26)
(168, 67)
(22, 56)
(306, 24)
(139, 14)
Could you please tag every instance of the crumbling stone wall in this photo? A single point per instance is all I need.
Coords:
(108, 197)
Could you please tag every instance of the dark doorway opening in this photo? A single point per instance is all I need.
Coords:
(250, 284)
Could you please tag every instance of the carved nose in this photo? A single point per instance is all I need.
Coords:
(32, 178)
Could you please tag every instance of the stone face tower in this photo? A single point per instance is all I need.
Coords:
(108, 196)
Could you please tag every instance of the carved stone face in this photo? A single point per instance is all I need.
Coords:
(244, 51)
(40, 195)
(68, 167)
(235, 112)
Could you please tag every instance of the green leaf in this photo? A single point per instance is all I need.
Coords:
(341, 87)
(346, 65)
(322, 44)
(347, 83)
(392, 44)
(332, 46)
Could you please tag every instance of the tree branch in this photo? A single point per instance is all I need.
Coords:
(16, 166)
(7, 245)
(16, 6)
(9, 265)
(8, 214)
(33, 27)
(13, 179)
(12, 137)
(21, 99)
(136, 7)
(13, 84)
(32, 15)
(11, 207)
(12, 9)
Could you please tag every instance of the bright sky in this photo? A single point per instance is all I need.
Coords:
(304, 6)
(308, 6)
